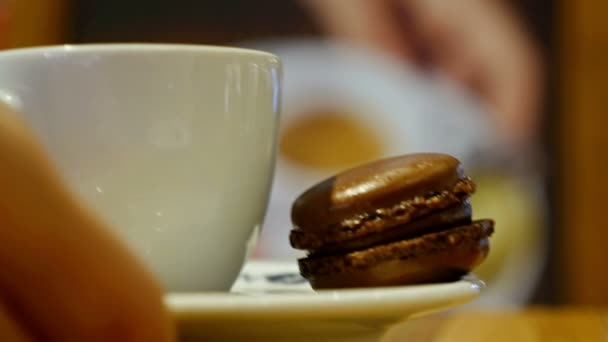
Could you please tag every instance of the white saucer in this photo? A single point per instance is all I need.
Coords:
(271, 302)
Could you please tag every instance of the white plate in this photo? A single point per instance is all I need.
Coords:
(271, 302)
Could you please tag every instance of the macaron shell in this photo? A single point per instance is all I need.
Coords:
(374, 185)
(377, 222)
(434, 257)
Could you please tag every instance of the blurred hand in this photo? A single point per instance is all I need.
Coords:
(478, 43)
(63, 276)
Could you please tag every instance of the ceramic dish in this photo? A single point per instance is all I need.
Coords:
(271, 302)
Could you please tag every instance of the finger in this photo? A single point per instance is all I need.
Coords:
(62, 270)
(511, 76)
(444, 29)
(484, 47)
(514, 95)
(372, 24)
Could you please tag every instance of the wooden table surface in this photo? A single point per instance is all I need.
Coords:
(522, 326)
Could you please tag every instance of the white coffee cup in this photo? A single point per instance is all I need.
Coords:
(173, 145)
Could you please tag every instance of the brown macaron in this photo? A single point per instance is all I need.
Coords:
(397, 221)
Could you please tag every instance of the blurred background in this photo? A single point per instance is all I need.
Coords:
(512, 88)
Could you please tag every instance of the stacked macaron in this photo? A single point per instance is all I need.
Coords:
(397, 221)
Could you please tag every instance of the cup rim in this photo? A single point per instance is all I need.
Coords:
(137, 47)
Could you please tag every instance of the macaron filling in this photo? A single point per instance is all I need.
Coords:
(459, 214)
(474, 236)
